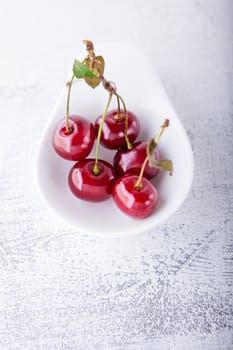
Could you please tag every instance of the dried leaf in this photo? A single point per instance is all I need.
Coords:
(151, 147)
(97, 67)
(164, 164)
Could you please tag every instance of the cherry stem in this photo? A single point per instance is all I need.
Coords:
(163, 127)
(128, 143)
(96, 170)
(138, 184)
(89, 45)
(68, 128)
(118, 107)
(90, 50)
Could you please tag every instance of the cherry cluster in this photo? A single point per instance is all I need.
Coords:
(134, 164)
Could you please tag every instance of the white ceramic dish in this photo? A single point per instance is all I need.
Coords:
(138, 83)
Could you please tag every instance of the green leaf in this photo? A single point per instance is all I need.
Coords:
(80, 70)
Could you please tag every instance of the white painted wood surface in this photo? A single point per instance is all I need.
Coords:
(170, 288)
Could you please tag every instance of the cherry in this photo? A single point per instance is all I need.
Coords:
(93, 179)
(86, 185)
(131, 161)
(77, 142)
(74, 136)
(113, 134)
(137, 201)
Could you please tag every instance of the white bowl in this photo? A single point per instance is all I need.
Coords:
(136, 80)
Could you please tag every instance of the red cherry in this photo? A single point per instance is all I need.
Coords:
(113, 132)
(136, 202)
(84, 184)
(130, 161)
(76, 144)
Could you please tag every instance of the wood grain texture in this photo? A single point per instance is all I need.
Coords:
(170, 288)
